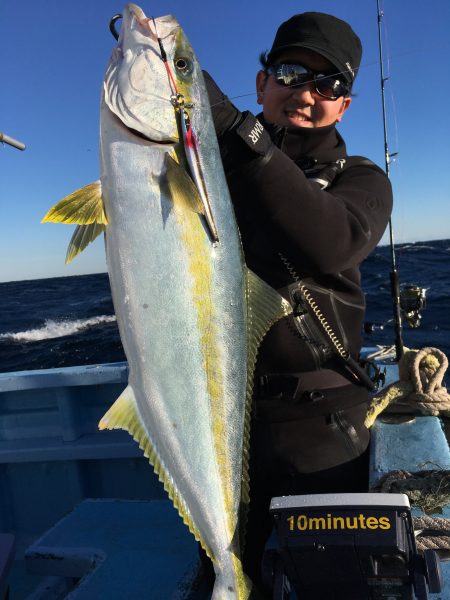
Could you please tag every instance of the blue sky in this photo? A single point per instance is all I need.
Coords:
(54, 54)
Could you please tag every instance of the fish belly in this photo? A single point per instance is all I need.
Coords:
(181, 310)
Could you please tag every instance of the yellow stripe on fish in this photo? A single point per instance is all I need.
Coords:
(199, 256)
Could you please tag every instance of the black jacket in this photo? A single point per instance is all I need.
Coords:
(292, 229)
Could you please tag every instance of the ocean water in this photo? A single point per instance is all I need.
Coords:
(425, 264)
(69, 321)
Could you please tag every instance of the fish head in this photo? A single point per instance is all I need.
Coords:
(140, 83)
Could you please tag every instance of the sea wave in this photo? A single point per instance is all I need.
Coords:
(417, 248)
(55, 329)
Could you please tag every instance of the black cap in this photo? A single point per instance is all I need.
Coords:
(327, 35)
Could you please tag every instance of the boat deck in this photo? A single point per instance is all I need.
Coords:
(124, 547)
(128, 539)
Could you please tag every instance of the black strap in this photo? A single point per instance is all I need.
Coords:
(296, 384)
(325, 174)
(317, 341)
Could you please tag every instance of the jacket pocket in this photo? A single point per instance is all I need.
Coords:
(298, 444)
(355, 442)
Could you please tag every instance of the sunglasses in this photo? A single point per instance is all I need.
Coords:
(327, 86)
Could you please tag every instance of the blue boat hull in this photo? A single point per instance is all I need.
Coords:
(53, 458)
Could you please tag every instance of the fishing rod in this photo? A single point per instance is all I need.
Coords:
(394, 278)
(6, 139)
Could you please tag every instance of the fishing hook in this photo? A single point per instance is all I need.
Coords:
(179, 103)
(112, 25)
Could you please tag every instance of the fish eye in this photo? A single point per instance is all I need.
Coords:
(183, 65)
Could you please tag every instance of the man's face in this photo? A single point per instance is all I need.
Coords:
(299, 106)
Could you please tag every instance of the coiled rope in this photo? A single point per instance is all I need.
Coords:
(419, 387)
(432, 533)
(429, 491)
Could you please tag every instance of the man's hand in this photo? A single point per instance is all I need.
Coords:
(225, 114)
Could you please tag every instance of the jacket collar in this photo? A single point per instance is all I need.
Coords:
(308, 147)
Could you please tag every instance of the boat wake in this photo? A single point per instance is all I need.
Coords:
(55, 329)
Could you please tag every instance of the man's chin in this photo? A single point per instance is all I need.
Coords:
(299, 123)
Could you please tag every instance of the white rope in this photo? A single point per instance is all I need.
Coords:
(432, 533)
(419, 386)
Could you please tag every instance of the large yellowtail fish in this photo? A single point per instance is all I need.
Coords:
(190, 313)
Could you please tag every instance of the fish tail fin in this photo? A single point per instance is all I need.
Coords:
(233, 585)
(81, 207)
(84, 208)
(82, 236)
(124, 414)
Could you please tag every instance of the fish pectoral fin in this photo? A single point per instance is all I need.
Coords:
(82, 236)
(82, 207)
(124, 414)
(183, 191)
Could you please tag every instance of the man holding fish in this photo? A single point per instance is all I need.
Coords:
(193, 315)
(308, 215)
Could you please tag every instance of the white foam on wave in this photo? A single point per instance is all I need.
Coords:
(55, 329)
(417, 247)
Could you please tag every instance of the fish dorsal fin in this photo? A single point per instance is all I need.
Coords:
(265, 307)
(183, 190)
(82, 207)
(82, 236)
(124, 414)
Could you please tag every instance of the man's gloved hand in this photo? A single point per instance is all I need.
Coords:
(225, 114)
(241, 136)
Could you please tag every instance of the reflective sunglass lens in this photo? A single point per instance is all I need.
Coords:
(330, 87)
(291, 75)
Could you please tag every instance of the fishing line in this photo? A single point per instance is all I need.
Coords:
(164, 57)
(374, 63)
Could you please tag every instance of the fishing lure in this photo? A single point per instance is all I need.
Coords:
(190, 142)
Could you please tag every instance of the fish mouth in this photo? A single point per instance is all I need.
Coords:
(169, 141)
